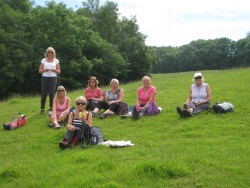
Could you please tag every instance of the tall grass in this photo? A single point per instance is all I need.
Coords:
(207, 150)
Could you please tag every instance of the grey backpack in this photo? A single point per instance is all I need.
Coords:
(95, 135)
(222, 107)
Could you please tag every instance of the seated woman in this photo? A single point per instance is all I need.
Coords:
(199, 98)
(78, 125)
(145, 95)
(93, 93)
(111, 101)
(61, 106)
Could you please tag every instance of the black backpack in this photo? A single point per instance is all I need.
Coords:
(72, 109)
(222, 107)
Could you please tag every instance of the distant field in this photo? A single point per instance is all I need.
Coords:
(207, 150)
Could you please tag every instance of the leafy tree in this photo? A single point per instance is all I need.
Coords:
(14, 47)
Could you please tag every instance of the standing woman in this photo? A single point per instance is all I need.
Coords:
(111, 101)
(49, 68)
(61, 107)
(199, 97)
(93, 93)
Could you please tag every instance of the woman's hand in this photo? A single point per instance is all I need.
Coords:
(71, 128)
(111, 102)
(198, 103)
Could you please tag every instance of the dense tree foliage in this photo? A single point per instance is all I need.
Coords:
(220, 53)
(95, 40)
(92, 40)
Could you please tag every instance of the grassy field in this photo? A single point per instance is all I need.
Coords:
(207, 150)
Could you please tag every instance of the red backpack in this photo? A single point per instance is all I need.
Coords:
(16, 123)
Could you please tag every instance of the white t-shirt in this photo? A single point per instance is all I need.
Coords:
(49, 65)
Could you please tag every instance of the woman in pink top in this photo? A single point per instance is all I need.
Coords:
(93, 93)
(61, 107)
(145, 95)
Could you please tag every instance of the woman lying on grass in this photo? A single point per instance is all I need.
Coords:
(78, 125)
(199, 98)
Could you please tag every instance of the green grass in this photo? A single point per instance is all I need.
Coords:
(207, 150)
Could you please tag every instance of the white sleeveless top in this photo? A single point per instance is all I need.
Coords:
(199, 94)
(49, 65)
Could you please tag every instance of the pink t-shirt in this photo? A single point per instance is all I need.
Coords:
(92, 93)
(61, 107)
(144, 97)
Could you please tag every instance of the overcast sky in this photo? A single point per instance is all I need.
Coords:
(178, 22)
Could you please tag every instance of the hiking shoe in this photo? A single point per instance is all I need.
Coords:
(74, 142)
(179, 110)
(42, 112)
(64, 144)
(102, 116)
(136, 115)
(185, 106)
(51, 125)
(126, 116)
(94, 114)
(57, 126)
(186, 113)
(50, 113)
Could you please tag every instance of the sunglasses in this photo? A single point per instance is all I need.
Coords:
(198, 77)
(82, 103)
(50, 52)
(60, 90)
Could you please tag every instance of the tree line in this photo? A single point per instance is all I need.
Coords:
(95, 40)
(222, 53)
(90, 41)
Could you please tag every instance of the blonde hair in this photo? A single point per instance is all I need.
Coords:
(95, 80)
(114, 80)
(82, 98)
(146, 78)
(60, 88)
(50, 49)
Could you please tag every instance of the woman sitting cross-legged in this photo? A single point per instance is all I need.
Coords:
(93, 93)
(111, 101)
(199, 98)
(145, 95)
(78, 125)
(61, 106)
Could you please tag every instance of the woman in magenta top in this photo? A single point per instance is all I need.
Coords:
(93, 93)
(145, 95)
(61, 107)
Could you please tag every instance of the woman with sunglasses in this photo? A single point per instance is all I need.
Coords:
(49, 68)
(93, 93)
(199, 97)
(61, 107)
(78, 125)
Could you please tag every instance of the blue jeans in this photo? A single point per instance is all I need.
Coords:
(142, 113)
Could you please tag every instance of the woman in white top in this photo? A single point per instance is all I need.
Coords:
(49, 68)
(199, 97)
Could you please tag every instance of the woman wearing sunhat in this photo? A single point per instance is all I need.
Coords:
(199, 97)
